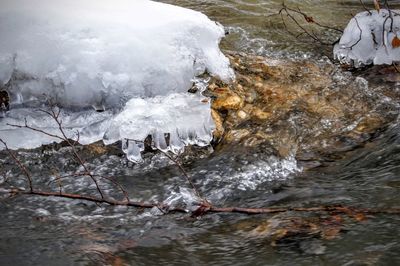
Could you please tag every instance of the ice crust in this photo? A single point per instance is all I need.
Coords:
(137, 56)
(368, 38)
(172, 122)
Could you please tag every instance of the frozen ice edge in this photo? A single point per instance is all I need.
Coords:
(139, 55)
(368, 39)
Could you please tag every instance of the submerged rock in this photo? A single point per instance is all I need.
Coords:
(311, 110)
(305, 233)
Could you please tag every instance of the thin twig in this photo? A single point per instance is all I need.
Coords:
(36, 129)
(290, 12)
(58, 178)
(360, 35)
(211, 209)
(20, 165)
(204, 208)
(55, 115)
(310, 19)
(396, 67)
(183, 171)
(179, 165)
(366, 9)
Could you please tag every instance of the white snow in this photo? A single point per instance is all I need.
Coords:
(101, 53)
(368, 38)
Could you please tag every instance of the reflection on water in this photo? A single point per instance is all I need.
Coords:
(36, 231)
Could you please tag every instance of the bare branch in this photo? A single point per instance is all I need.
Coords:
(366, 9)
(55, 115)
(309, 19)
(36, 129)
(204, 208)
(210, 209)
(20, 165)
(182, 170)
(360, 35)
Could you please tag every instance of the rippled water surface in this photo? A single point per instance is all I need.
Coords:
(37, 231)
(256, 26)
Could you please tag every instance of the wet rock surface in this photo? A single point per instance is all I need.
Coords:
(310, 109)
(306, 233)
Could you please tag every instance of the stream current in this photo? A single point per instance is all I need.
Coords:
(37, 231)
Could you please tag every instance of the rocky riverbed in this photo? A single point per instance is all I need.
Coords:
(293, 130)
(313, 110)
(287, 133)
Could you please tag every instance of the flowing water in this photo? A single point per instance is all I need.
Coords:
(37, 231)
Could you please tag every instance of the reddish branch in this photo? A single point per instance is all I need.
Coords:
(181, 169)
(290, 12)
(20, 165)
(55, 115)
(208, 209)
(307, 18)
(336, 209)
(108, 201)
(204, 206)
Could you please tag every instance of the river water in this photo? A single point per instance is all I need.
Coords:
(37, 231)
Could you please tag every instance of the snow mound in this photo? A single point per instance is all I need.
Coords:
(90, 52)
(371, 37)
(108, 54)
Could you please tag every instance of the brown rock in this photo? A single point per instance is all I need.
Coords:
(227, 101)
(219, 128)
(297, 107)
(259, 114)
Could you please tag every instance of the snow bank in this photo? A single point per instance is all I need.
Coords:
(370, 38)
(102, 53)
(86, 52)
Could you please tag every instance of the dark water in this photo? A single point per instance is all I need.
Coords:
(37, 231)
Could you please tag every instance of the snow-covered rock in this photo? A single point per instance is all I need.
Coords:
(101, 53)
(371, 37)
(84, 52)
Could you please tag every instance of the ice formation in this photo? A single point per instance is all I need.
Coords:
(371, 37)
(172, 122)
(106, 54)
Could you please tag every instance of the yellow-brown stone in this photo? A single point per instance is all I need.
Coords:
(297, 107)
(227, 101)
(219, 128)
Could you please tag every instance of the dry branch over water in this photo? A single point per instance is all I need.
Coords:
(204, 206)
